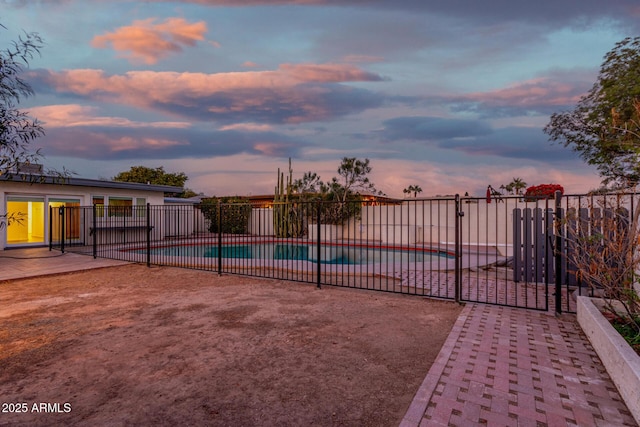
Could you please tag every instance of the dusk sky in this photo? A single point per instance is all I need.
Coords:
(448, 95)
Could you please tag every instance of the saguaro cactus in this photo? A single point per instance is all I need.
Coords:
(280, 203)
(286, 218)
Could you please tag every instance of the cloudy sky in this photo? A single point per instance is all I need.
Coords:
(448, 95)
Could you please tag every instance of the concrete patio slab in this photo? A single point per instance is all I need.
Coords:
(33, 262)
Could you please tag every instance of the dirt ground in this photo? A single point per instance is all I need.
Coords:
(134, 345)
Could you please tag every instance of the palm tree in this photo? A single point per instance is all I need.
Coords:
(415, 189)
(515, 186)
(519, 185)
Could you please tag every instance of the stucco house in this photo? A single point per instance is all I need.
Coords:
(32, 199)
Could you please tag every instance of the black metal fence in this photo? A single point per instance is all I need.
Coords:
(499, 251)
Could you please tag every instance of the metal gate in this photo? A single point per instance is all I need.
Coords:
(505, 252)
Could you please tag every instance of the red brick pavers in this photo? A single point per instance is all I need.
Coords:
(505, 366)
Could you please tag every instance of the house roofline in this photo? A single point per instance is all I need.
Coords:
(85, 182)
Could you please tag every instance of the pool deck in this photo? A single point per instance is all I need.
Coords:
(499, 366)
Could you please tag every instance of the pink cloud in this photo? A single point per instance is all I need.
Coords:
(248, 127)
(269, 148)
(328, 73)
(147, 41)
(74, 115)
(531, 93)
(92, 144)
(162, 86)
(127, 143)
(292, 93)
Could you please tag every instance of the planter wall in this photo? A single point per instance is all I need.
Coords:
(620, 360)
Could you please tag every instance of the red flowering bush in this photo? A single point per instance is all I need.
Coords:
(543, 191)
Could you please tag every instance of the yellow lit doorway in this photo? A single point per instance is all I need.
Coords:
(25, 220)
(71, 219)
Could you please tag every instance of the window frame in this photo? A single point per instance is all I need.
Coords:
(141, 207)
(100, 207)
(120, 210)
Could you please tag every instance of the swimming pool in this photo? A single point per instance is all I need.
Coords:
(329, 254)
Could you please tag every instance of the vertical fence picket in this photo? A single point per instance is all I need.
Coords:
(50, 228)
(571, 229)
(318, 244)
(94, 235)
(539, 245)
(517, 245)
(219, 238)
(148, 234)
(549, 258)
(559, 251)
(62, 234)
(527, 243)
(458, 249)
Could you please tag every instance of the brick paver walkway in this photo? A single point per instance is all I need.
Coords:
(512, 367)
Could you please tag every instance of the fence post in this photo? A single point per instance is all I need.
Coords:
(558, 252)
(458, 249)
(95, 231)
(517, 245)
(318, 243)
(61, 211)
(148, 235)
(50, 228)
(548, 254)
(219, 236)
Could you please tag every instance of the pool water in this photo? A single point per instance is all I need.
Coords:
(329, 254)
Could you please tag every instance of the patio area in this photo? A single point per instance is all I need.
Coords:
(33, 262)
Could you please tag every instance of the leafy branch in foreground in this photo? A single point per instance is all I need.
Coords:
(604, 250)
(604, 127)
(17, 128)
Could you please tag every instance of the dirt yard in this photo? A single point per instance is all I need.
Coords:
(134, 345)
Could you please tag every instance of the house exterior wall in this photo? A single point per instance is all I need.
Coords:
(49, 193)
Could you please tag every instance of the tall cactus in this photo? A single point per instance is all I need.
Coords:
(280, 203)
(286, 221)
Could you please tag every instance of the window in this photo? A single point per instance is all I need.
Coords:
(141, 206)
(25, 220)
(120, 206)
(98, 202)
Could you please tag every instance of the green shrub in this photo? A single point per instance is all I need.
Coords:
(235, 214)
